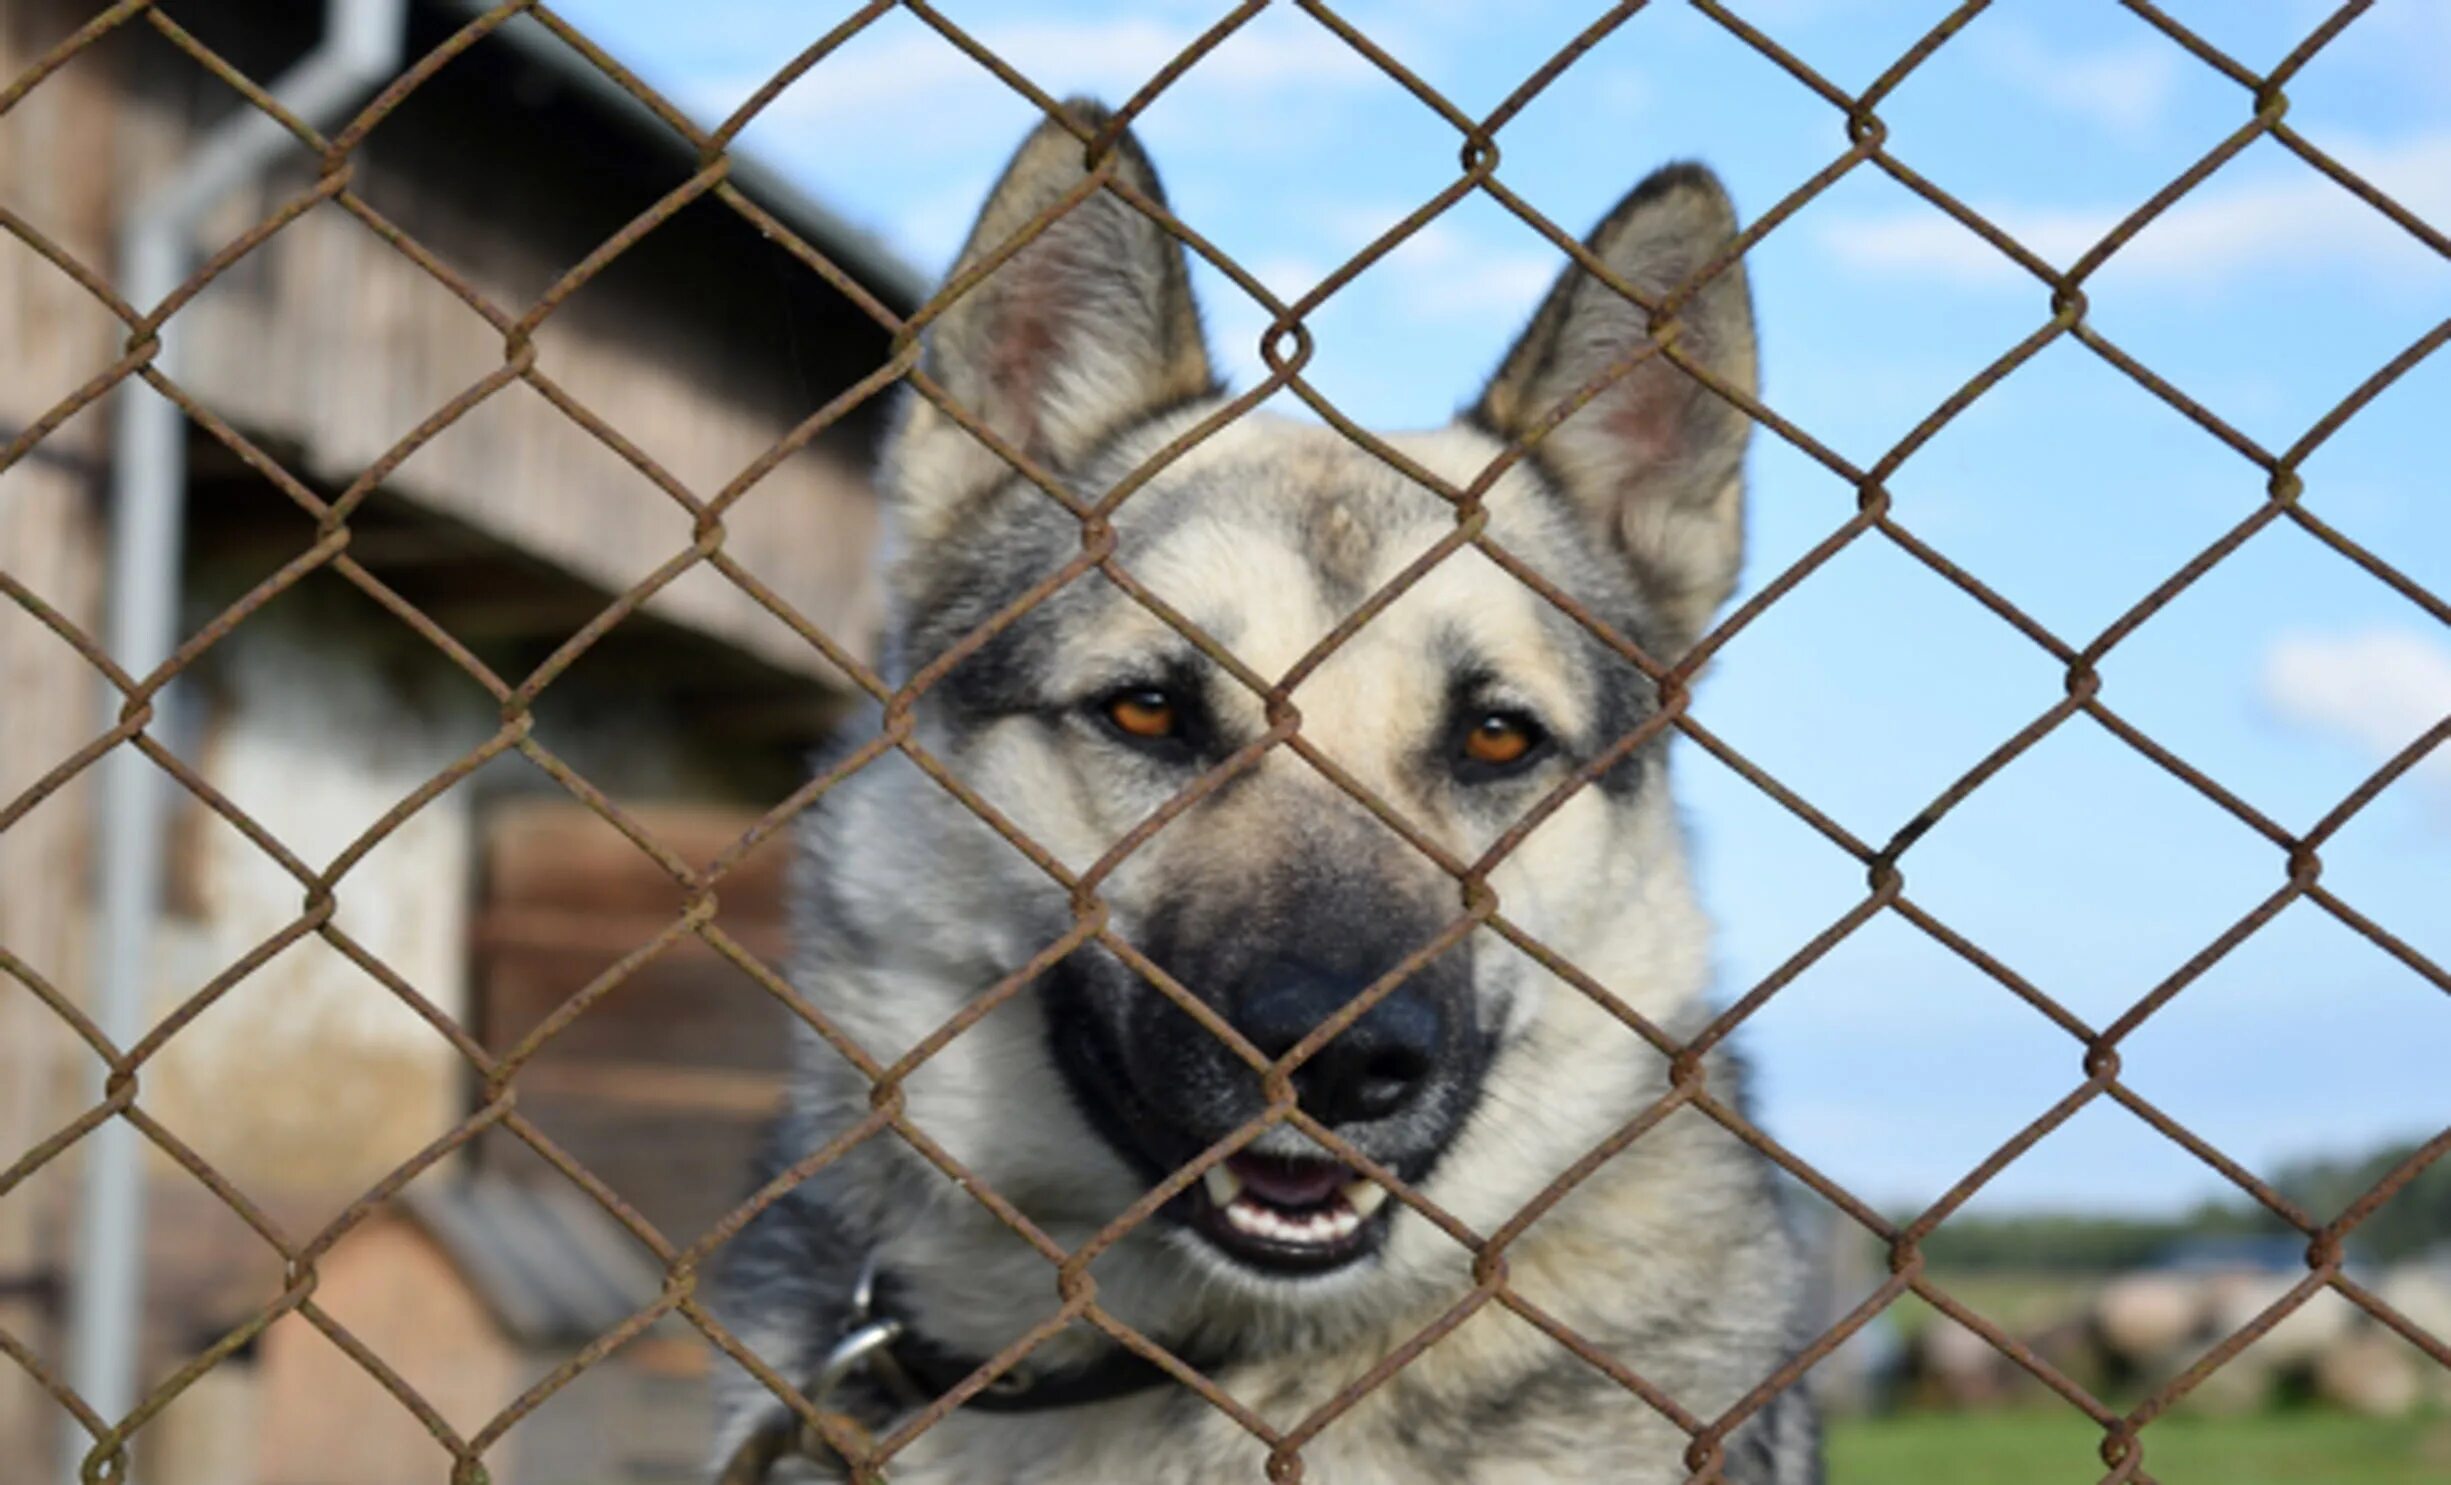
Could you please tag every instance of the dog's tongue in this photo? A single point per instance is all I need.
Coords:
(1289, 1183)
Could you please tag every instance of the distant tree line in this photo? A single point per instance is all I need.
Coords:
(2417, 1219)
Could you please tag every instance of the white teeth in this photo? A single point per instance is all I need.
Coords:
(1330, 1224)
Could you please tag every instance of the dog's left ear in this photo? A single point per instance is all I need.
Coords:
(1657, 458)
(1088, 326)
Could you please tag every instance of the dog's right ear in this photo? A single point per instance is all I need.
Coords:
(1655, 458)
(1088, 327)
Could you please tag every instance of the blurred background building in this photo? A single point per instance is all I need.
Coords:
(511, 530)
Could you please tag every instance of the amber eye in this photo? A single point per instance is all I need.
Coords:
(1145, 713)
(1500, 739)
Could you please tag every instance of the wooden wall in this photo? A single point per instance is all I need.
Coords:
(339, 346)
(703, 345)
(53, 149)
(663, 1087)
(703, 348)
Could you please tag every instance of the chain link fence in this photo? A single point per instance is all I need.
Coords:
(699, 527)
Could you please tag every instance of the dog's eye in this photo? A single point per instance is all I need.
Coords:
(1144, 712)
(1503, 741)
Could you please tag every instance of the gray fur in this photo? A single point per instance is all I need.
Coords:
(1084, 352)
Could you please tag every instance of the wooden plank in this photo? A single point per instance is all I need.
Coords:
(662, 1087)
(681, 1174)
(698, 1015)
(606, 935)
(644, 1086)
(554, 853)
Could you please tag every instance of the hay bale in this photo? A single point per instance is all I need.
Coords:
(2373, 1374)
(2422, 1293)
(2239, 1388)
(2319, 1322)
(1956, 1368)
(2147, 1320)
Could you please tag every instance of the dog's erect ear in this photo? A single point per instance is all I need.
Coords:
(1657, 458)
(1089, 326)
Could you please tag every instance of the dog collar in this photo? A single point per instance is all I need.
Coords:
(878, 1354)
(915, 1371)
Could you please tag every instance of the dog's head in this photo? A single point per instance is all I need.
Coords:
(1270, 894)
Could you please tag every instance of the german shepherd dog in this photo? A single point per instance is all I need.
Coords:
(1283, 1273)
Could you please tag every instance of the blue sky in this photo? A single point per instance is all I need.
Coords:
(2287, 674)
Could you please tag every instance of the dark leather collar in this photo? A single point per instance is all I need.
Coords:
(932, 1371)
(882, 1361)
(915, 1371)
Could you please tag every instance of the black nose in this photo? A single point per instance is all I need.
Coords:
(1371, 1069)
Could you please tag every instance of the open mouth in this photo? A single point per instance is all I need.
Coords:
(1292, 1216)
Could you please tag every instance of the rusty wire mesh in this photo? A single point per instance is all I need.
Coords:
(1286, 349)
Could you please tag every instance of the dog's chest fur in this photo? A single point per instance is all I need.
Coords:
(1496, 1399)
(1558, 1422)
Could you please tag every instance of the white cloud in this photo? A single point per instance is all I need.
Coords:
(1443, 274)
(1446, 271)
(2378, 688)
(2290, 217)
(2126, 87)
(1288, 275)
(910, 75)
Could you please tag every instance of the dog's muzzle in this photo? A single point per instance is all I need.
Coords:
(1395, 1082)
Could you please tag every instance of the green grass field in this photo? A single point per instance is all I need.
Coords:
(2293, 1448)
